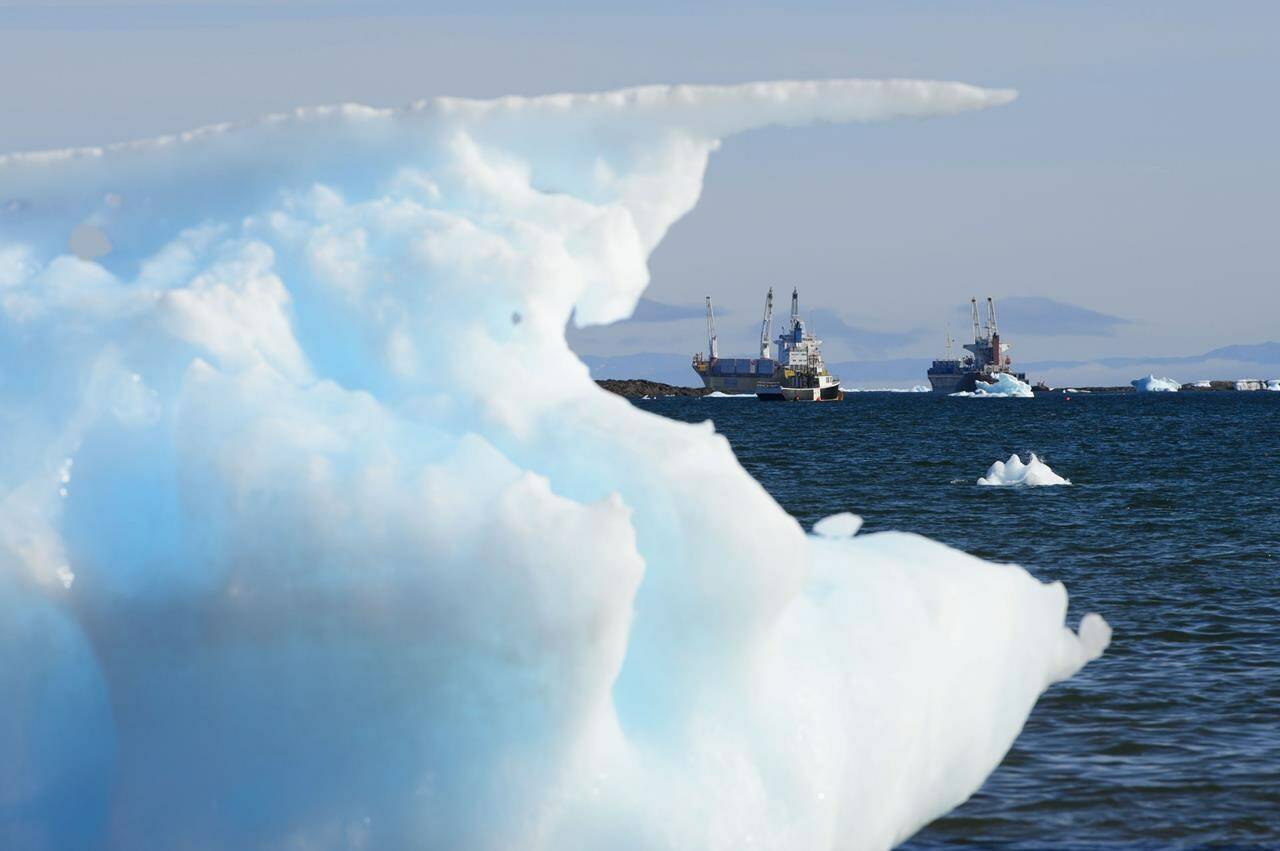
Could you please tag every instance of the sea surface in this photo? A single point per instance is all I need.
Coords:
(1171, 530)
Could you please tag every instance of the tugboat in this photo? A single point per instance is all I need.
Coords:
(801, 375)
(988, 358)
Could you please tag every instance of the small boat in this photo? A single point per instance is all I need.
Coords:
(802, 387)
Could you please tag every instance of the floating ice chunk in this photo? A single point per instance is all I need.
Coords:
(354, 590)
(1095, 635)
(1013, 472)
(1005, 386)
(717, 394)
(1151, 384)
(1273, 384)
(843, 525)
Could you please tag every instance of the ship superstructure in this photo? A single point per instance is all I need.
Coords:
(801, 374)
(988, 357)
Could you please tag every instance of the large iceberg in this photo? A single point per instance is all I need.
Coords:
(1006, 385)
(1034, 473)
(315, 534)
(1151, 384)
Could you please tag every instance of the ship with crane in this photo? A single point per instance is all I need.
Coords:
(796, 374)
(987, 358)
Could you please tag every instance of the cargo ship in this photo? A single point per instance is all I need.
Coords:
(797, 374)
(987, 358)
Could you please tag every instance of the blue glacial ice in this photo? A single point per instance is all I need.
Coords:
(315, 534)
(1151, 384)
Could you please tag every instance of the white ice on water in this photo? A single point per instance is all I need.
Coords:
(1273, 384)
(1033, 473)
(1151, 384)
(363, 558)
(918, 388)
(1006, 385)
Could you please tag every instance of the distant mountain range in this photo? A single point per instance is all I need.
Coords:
(1236, 361)
(1260, 353)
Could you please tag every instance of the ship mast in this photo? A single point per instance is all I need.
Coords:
(712, 349)
(993, 334)
(795, 305)
(767, 325)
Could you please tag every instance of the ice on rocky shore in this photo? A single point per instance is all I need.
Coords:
(1033, 473)
(1151, 384)
(363, 558)
(1006, 385)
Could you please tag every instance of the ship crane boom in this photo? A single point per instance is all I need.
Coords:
(713, 350)
(766, 326)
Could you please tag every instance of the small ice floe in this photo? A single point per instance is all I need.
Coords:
(1013, 472)
(842, 525)
(1005, 386)
(1151, 384)
(716, 394)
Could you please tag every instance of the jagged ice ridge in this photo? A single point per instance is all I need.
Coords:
(1033, 473)
(315, 534)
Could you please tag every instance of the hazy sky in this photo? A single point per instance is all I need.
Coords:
(1136, 176)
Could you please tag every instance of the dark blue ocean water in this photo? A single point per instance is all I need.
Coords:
(1171, 530)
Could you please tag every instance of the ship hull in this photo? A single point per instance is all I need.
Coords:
(953, 382)
(962, 382)
(734, 375)
(732, 384)
(827, 390)
(770, 393)
(813, 394)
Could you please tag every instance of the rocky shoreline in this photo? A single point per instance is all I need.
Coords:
(635, 388)
(638, 388)
(1216, 386)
